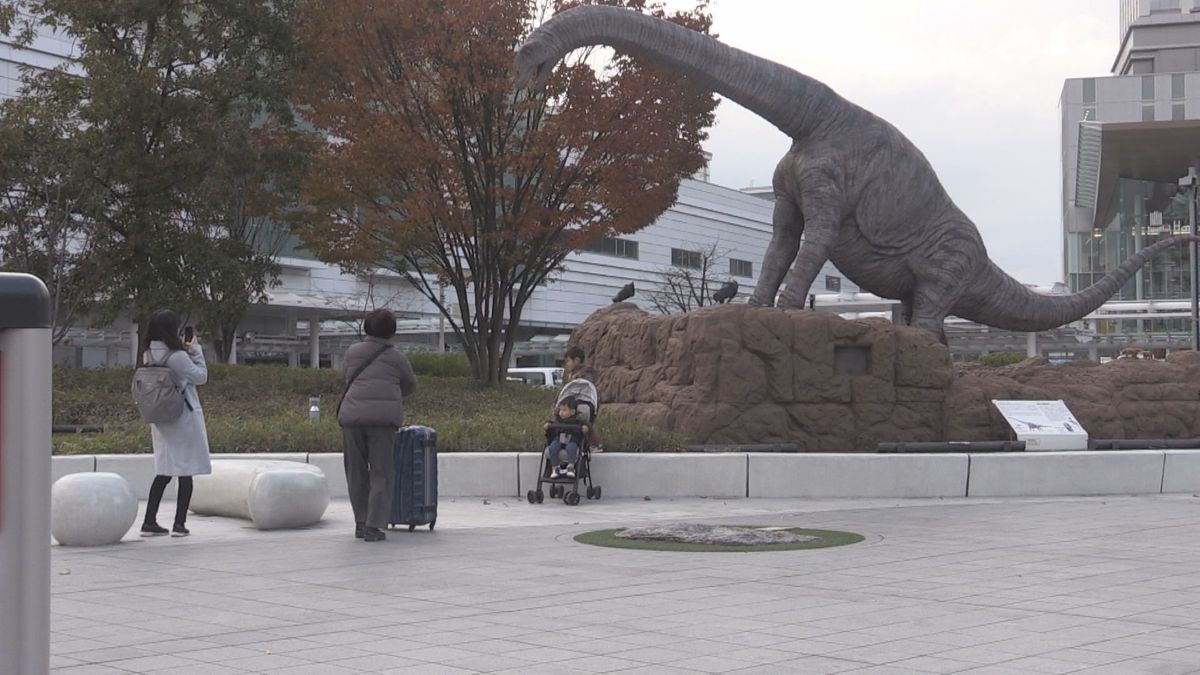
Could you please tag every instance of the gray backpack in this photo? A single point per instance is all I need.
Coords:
(157, 396)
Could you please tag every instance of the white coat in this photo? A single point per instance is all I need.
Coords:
(181, 447)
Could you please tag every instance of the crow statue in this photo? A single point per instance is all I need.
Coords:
(624, 294)
(726, 292)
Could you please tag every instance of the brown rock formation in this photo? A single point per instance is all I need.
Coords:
(742, 374)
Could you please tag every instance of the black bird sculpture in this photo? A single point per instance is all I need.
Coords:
(624, 294)
(726, 292)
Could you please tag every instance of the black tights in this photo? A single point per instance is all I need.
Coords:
(181, 502)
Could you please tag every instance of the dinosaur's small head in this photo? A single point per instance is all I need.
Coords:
(535, 59)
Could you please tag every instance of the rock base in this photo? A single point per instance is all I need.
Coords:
(720, 535)
(736, 374)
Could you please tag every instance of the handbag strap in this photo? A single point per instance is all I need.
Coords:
(358, 371)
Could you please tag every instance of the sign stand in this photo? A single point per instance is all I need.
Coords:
(25, 400)
(1044, 425)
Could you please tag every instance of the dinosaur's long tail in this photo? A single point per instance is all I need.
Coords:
(1013, 306)
(795, 103)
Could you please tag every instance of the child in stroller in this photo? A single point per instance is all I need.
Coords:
(565, 433)
(567, 456)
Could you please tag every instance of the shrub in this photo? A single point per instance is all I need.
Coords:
(433, 364)
(998, 359)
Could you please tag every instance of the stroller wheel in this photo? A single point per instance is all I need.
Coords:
(591, 492)
(597, 492)
(555, 491)
(531, 496)
(571, 498)
(541, 496)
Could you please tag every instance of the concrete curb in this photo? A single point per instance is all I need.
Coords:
(764, 475)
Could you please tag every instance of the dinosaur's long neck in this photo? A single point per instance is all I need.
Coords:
(1001, 301)
(795, 103)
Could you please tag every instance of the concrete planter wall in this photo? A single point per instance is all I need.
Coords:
(734, 475)
(1181, 471)
(841, 475)
(1044, 474)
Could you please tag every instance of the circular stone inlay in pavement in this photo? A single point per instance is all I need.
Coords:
(702, 538)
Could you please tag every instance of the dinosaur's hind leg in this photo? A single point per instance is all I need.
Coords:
(938, 288)
(788, 225)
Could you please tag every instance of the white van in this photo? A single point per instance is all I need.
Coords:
(550, 378)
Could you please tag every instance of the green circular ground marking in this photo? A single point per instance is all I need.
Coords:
(825, 539)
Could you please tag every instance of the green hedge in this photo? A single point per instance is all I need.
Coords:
(265, 409)
(998, 359)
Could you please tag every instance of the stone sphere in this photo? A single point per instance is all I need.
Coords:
(91, 509)
(288, 498)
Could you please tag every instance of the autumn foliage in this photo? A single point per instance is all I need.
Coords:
(436, 167)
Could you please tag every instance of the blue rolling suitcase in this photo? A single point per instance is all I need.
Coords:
(415, 501)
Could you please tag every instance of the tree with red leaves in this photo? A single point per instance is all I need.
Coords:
(436, 167)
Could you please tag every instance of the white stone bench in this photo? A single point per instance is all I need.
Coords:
(272, 494)
(91, 509)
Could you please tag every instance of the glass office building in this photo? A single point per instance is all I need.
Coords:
(1127, 140)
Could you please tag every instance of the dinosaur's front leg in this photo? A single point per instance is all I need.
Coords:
(822, 215)
(788, 225)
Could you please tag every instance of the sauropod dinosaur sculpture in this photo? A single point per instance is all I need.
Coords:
(861, 193)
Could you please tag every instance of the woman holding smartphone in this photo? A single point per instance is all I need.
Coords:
(180, 447)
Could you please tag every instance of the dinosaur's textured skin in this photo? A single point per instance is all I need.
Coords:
(861, 193)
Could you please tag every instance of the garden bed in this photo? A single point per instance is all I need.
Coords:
(265, 409)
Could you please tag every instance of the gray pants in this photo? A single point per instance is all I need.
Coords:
(370, 472)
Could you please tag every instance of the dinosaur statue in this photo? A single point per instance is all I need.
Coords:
(860, 192)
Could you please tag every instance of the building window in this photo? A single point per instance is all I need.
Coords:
(621, 248)
(1089, 91)
(690, 259)
(833, 283)
(1178, 112)
(1141, 66)
(1178, 86)
(741, 268)
(1147, 87)
(1147, 113)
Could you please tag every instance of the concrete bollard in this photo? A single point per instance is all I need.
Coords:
(25, 373)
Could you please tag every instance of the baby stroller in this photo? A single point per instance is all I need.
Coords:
(587, 402)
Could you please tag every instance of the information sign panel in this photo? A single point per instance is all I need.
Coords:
(1044, 425)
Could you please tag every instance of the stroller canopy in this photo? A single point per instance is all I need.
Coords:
(583, 391)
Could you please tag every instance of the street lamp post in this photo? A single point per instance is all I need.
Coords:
(1190, 182)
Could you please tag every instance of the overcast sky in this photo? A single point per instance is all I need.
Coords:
(974, 84)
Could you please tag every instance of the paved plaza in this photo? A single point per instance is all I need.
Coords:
(1065, 585)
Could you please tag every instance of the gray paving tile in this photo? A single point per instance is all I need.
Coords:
(936, 664)
(264, 662)
(91, 669)
(198, 669)
(148, 663)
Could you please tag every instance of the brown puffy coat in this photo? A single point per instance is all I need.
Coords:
(376, 397)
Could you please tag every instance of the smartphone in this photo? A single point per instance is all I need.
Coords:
(188, 334)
